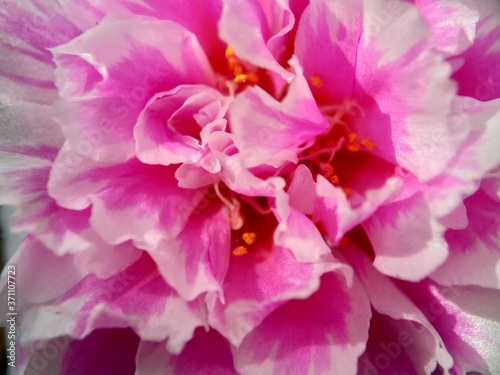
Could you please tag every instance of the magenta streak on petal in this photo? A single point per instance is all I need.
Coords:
(43, 58)
(35, 30)
(41, 151)
(29, 81)
(138, 290)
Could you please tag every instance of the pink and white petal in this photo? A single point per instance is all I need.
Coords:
(206, 353)
(299, 190)
(27, 29)
(137, 298)
(83, 13)
(194, 177)
(27, 162)
(414, 333)
(491, 185)
(478, 154)
(146, 214)
(475, 250)
(477, 76)
(104, 117)
(244, 26)
(196, 261)
(411, 114)
(166, 131)
(258, 283)
(265, 127)
(327, 38)
(235, 174)
(419, 251)
(453, 23)
(322, 334)
(39, 284)
(468, 320)
(198, 16)
(339, 215)
(29, 142)
(298, 233)
(149, 214)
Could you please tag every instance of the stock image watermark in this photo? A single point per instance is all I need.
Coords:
(11, 315)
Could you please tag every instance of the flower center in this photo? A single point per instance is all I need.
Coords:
(320, 156)
(250, 219)
(241, 75)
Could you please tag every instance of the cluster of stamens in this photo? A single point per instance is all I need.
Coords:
(242, 236)
(241, 75)
(319, 157)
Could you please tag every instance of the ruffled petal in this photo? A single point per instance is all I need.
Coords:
(149, 212)
(138, 298)
(467, 318)
(477, 75)
(263, 127)
(400, 334)
(99, 122)
(323, 334)
(246, 28)
(259, 282)
(419, 251)
(196, 261)
(475, 250)
(167, 132)
(453, 23)
(27, 29)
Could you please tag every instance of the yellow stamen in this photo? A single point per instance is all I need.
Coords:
(353, 144)
(316, 81)
(239, 251)
(353, 147)
(229, 52)
(347, 191)
(353, 137)
(240, 78)
(368, 144)
(237, 68)
(249, 238)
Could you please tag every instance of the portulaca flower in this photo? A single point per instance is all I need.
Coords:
(253, 186)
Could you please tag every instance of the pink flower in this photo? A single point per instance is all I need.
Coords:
(253, 187)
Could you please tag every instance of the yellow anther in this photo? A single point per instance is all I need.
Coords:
(368, 144)
(240, 78)
(353, 137)
(353, 147)
(347, 191)
(237, 68)
(229, 52)
(334, 179)
(239, 251)
(250, 77)
(316, 81)
(249, 237)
